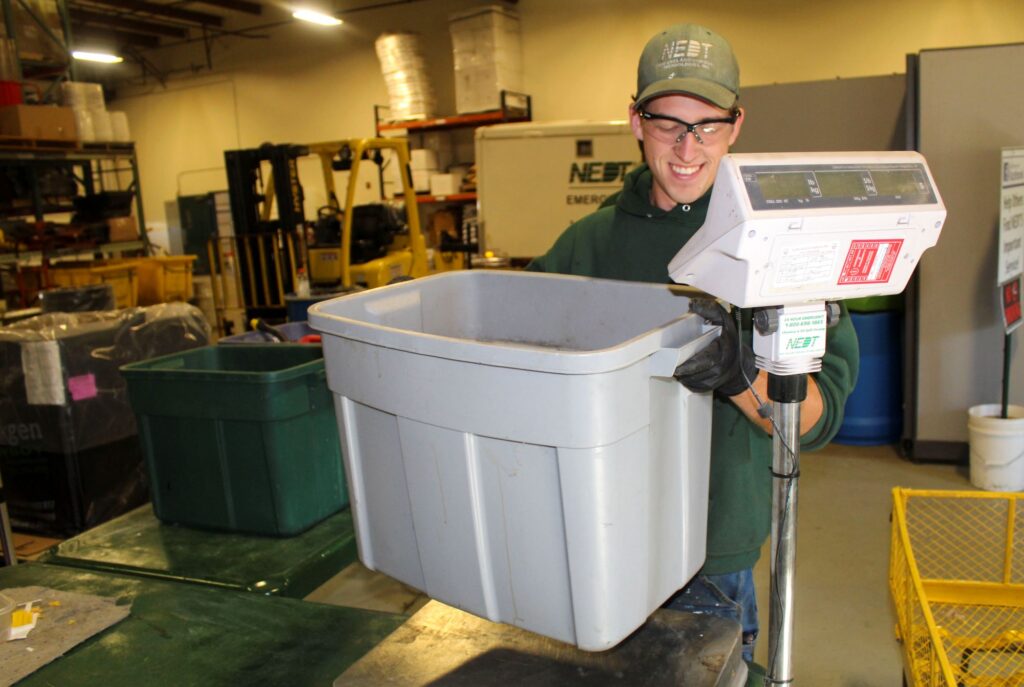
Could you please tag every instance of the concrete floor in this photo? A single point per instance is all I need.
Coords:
(844, 620)
(843, 628)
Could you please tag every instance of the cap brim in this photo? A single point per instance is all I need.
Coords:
(705, 90)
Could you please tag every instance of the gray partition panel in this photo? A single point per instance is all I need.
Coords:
(970, 106)
(839, 114)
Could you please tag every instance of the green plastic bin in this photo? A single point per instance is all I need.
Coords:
(239, 438)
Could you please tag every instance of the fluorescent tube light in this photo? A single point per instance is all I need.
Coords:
(104, 57)
(316, 17)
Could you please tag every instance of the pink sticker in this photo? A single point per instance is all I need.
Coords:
(82, 387)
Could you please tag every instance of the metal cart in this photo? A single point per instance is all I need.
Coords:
(956, 576)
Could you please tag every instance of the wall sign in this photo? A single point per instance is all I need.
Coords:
(1010, 294)
(1011, 215)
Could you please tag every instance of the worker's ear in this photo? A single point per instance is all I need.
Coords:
(736, 127)
(635, 123)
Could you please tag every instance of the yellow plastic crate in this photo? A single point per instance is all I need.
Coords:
(121, 277)
(69, 275)
(163, 279)
(124, 281)
(956, 575)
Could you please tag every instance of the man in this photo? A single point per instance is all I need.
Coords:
(686, 117)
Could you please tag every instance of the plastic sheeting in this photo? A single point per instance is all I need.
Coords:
(69, 453)
(78, 299)
(410, 92)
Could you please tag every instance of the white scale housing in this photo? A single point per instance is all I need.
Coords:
(786, 229)
(796, 227)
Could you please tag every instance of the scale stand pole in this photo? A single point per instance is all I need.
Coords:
(786, 392)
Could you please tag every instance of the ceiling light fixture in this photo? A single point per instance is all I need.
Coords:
(316, 17)
(90, 56)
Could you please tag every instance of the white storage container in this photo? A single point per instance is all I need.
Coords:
(101, 124)
(444, 184)
(421, 180)
(410, 92)
(119, 126)
(517, 447)
(79, 94)
(487, 56)
(423, 158)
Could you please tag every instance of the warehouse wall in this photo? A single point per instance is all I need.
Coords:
(302, 84)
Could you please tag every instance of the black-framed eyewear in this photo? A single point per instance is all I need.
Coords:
(705, 126)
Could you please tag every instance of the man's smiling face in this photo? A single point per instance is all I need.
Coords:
(683, 171)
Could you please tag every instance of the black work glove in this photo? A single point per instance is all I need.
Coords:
(726, 363)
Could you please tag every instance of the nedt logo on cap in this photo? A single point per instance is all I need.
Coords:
(686, 53)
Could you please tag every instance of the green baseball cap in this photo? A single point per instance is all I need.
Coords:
(688, 59)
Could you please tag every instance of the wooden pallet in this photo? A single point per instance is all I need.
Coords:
(36, 143)
(55, 145)
(108, 146)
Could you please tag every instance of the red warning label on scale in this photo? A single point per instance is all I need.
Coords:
(870, 262)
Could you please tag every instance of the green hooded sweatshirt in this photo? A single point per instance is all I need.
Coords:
(634, 240)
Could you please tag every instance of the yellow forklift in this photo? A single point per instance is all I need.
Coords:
(367, 246)
(406, 254)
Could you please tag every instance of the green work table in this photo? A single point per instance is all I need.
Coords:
(136, 543)
(181, 634)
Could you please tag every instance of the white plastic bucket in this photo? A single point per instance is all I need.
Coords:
(997, 447)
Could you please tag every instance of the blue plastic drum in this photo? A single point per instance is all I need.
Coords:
(874, 411)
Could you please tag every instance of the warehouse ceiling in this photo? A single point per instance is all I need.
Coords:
(147, 24)
(136, 29)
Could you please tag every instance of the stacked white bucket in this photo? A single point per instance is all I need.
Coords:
(95, 123)
(410, 93)
(997, 447)
(487, 55)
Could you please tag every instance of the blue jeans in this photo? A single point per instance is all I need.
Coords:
(727, 596)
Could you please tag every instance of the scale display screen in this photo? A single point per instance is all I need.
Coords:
(777, 187)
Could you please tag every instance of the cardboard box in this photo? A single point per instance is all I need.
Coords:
(442, 223)
(123, 229)
(45, 122)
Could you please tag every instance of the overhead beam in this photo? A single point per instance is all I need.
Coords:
(172, 12)
(87, 36)
(121, 22)
(235, 5)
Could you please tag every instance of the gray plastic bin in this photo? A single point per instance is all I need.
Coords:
(517, 447)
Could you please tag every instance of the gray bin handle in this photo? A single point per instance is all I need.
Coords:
(664, 361)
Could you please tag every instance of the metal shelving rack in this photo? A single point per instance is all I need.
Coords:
(36, 68)
(95, 168)
(513, 107)
(93, 162)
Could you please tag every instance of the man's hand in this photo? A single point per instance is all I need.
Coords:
(726, 364)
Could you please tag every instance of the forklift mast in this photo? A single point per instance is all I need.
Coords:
(268, 250)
